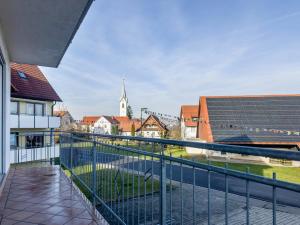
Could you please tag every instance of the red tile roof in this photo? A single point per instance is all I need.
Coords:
(188, 112)
(89, 120)
(125, 123)
(36, 86)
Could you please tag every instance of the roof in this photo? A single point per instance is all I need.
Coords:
(110, 119)
(254, 119)
(125, 124)
(35, 86)
(89, 120)
(188, 112)
(160, 124)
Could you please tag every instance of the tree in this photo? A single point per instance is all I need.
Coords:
(133, 130)
(114, 130)
(129, 112)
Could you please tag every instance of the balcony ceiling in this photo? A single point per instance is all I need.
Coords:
(39, 32)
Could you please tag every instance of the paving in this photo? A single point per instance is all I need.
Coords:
(43, 196)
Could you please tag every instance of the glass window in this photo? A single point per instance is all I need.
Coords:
(36, 141)
(29, 109)
(22, 75)
(13, 140)
(14, 107)
(39, 109)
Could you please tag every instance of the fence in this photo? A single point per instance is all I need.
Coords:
(135, 180)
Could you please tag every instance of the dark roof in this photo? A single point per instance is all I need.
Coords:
(159, 123)
(111, 119)
(35, 86)
(260, 119)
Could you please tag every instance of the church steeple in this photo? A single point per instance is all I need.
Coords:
(123, 101)
(123, 94)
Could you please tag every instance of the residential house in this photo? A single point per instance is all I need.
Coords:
(189, 121)
(87, 123)
(259, 120)
(127, 126)
(31, 109)
(66, 120)
(152, 127)
(106, 125)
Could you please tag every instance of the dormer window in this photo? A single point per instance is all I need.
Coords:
(22, 75)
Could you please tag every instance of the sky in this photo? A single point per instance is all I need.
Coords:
(171, 52)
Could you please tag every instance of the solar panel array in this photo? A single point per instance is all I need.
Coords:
(250, 119)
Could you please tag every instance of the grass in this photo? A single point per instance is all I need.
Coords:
(284, 173)
(110, 182)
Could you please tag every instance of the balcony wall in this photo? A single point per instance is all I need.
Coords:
(28, 121)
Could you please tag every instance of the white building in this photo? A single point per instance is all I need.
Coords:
(189, 121)
(32, 102)
(105, 125)
(123, 101)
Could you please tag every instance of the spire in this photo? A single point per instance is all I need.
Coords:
(123, 94)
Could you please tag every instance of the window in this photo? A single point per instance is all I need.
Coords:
(14, 143)
(194, 119)
(22, 75)
(39, 109)
(29, 108)
(14, 108)
(36, 141)
(123, 105)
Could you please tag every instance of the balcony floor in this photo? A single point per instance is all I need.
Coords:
(42, 196)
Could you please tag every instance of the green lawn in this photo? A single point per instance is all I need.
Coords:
(284, 173)
(110, 183)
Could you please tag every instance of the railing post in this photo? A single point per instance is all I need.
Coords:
(163, 189)
(94, 174)
(71, 156)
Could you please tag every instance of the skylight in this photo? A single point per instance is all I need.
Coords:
(22, 75)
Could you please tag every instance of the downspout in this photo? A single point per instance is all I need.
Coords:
(52, 107)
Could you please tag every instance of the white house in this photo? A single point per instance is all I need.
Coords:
(37, 33)
(105, 125)
(189, 121)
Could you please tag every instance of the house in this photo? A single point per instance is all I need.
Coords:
(31, 106)
(66, 120)
(260, 120)
(87, 123)
(189, 121)
(35, 33)
(127, 126)
(152, 127)
(106, 125)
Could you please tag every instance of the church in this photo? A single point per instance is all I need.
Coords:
(122, 124)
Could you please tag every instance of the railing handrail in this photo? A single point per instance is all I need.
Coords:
(236, 149)
(217, 169)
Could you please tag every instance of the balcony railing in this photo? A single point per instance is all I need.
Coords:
(135, 180)
(32, 121)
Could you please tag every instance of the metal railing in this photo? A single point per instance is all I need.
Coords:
(135, 180)
(35, 146)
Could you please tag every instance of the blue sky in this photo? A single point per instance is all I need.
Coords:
(173, 51)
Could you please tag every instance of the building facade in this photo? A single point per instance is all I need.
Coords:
(31, 107)
(106, 125)
(189, 121)
(152, 127)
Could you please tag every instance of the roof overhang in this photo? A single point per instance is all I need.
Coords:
(39, 32)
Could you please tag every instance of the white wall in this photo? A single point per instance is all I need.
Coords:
(102, 126)
(6, 104)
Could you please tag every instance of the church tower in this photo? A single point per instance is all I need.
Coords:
(123, 101)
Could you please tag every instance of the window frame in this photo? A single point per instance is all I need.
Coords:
(18, 108)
